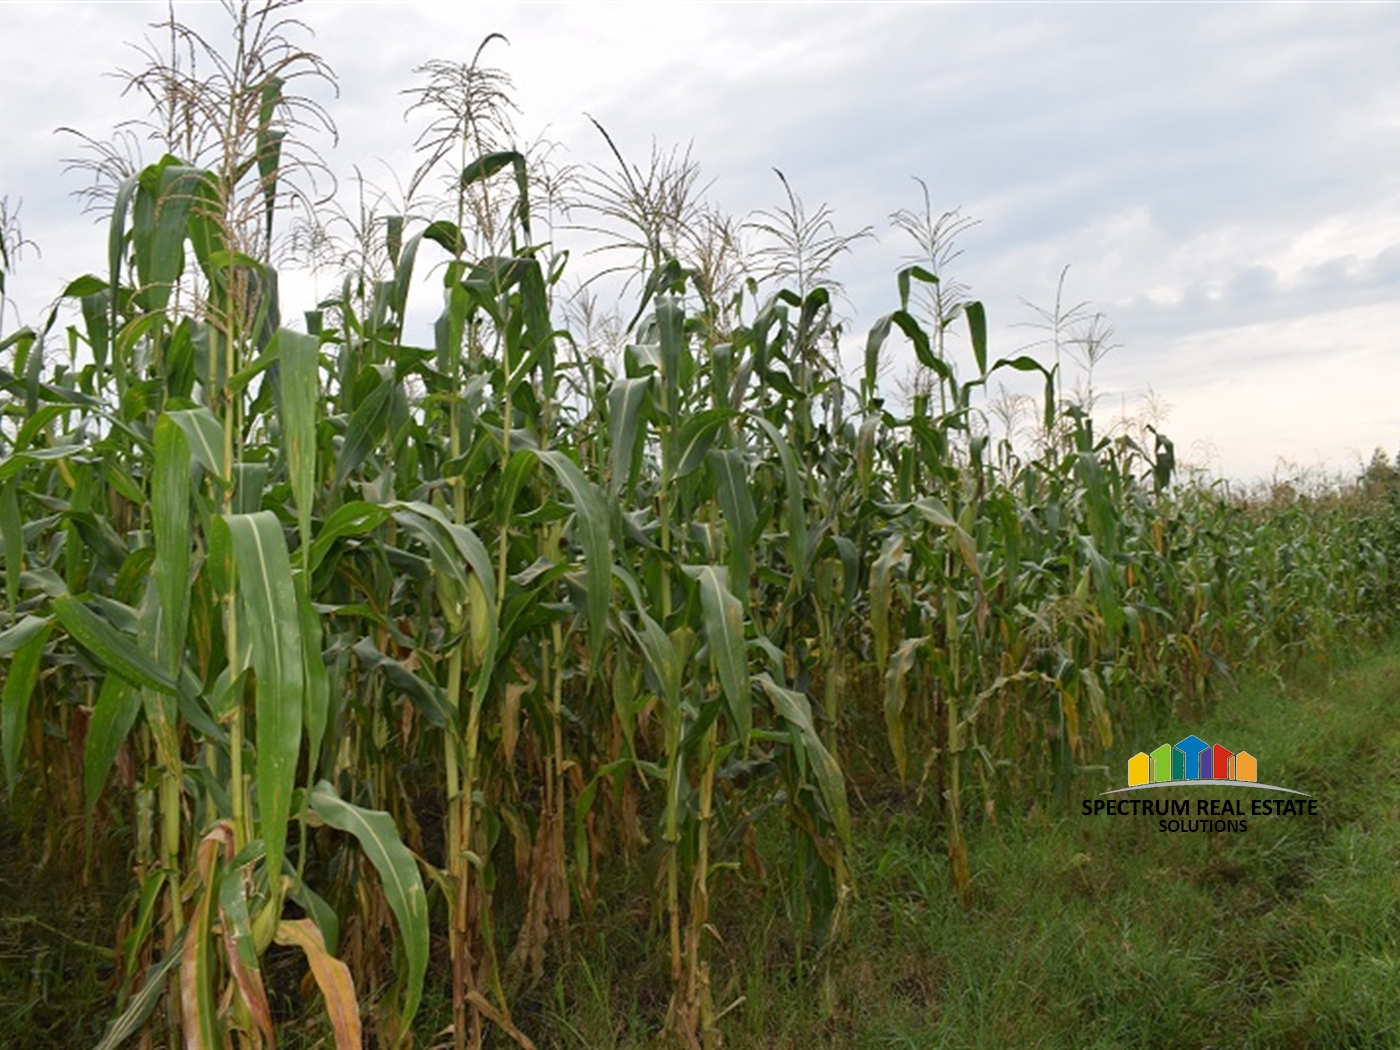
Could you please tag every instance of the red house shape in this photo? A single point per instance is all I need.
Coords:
(1222, 765)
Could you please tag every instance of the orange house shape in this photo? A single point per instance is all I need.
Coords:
(1246, 768)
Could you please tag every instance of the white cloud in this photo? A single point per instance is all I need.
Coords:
(1224, 179)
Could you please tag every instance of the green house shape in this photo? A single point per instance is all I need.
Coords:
(1167, 764)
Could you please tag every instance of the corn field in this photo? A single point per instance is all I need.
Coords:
(386, 645)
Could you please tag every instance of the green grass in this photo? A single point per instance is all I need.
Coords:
(57, 964)
(1082, 931)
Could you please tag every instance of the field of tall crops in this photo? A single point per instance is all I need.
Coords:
(400, 647)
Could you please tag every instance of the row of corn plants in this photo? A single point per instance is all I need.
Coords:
(385, 651)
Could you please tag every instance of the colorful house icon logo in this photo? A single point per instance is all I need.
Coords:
(1192, 759)
(1194, 763)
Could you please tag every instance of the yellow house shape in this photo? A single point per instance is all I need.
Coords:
(1246, 767)
(1139, 769)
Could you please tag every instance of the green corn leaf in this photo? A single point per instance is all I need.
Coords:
(977, 330)
(267, 600)
(205, 435)
(317, 694)
(162, 207)
(14, 702)
(300, 389)
(368, 425)
(12, 532)
(450, 547)
(797, 509)
(321, 913)
(661, 658)
(398, 873)
(874, 343)
(489, 164)
(627, 399)
(795, 709)
(170, 522)
(513, 479)
(129, 1022)
(162, 708)
(35, 425)
(404, 261)
(905, 657)
(592, 522)
(730, 471)
(933, 510)
(724, 630)
(427, 696)
(16, 463)
(13, 637)
(118, 704)
(1022, 363)
(670, 326)
(349, 519)
(881, 578)
(697, 436)
(117, 651)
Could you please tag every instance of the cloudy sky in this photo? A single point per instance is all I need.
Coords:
(1223, 181)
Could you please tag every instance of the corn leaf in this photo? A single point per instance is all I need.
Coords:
(332, 977)
(724, 630)
(795, 709)
(170, 521)
(592, 521)
(130, 1020)
(300, 356)
(14, 702)
(403, 887)
(205, 435)
(118, 704)
(267, 599)
(117, 651)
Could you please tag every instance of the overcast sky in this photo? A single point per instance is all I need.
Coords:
(1222, 180)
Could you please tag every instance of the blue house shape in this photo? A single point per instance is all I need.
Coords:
(1192, 747)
